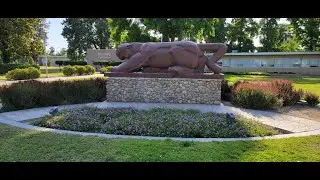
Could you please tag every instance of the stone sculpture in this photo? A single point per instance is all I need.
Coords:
(182, 57)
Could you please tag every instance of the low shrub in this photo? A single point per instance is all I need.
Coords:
(312, 99)
(80, 70)
(4, 68)
(31, 94)
(106, 69)
(69, 70)
(22, 74)
(89, 69)
(256, 99)
(286, 91)
(281, 88)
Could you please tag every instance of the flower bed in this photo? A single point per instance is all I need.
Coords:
(154, 122)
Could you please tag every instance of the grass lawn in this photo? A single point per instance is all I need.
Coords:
(52, 72)
(311, 84)
(26, 145)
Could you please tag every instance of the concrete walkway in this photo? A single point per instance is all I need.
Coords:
(299, 126)
(54, 78)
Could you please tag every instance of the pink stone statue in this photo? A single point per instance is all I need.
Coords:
(182, 57)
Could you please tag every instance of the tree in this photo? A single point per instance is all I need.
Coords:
(128, 30)
(171, 29)
(22, 38)
(51, 51)
(83, 34)
(269, 34)
(62, 52)
(241, 32)
(220, 32)
(39, 40)
(307, 31)
(290, 45)
(288, 41)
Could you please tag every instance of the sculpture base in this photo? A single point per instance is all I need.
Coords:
(164, 88)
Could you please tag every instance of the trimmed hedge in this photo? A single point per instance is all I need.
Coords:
(4, 68)
(71, 63)
(90, 69)
(106, 69)
(78, 70)
(69, 70)
(22, 74)
(106, 63)
(32, 93)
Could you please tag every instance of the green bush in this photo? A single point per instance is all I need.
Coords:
(71, 63)
(69, 70)
(256, 99)
(22, 74)
(106, 63)
(33, 73)
(32, 94)
(90, 69)
(106, 69)
(80, 70)
(312, 99)
(4, 68)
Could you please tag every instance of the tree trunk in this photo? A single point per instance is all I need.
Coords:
(4, 53)
(165, 38)
(5, 56)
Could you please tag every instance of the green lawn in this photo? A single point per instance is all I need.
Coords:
(52, 72)
(26, 145)
(311, 84)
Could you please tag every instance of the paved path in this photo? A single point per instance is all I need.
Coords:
(54, 79)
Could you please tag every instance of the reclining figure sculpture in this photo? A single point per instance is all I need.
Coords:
(182, 57)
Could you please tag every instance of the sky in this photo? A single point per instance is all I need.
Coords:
(56, 40)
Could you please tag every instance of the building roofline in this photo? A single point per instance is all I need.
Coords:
(269, 53)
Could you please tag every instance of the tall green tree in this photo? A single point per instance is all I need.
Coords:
(220, 31)
(128, 30)
(241, 32)
(269, 34)
(288, 41)
(307, 31)
(171, 29)
(51, 51)
(22, 38)
(85, 33)
(62, 52)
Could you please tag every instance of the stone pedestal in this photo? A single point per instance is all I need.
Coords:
(164, 88)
